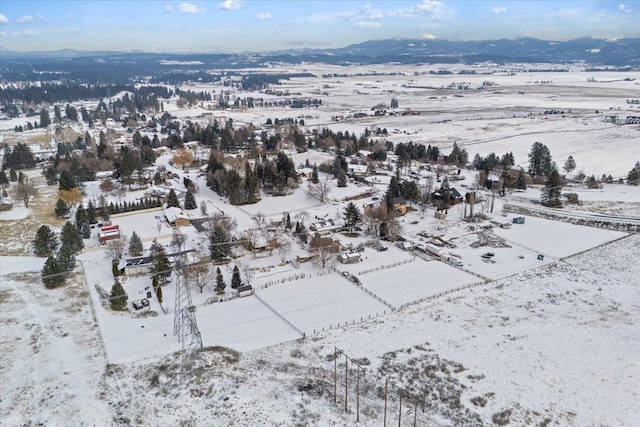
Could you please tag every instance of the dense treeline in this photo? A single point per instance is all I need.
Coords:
(275, 176)
(53, 93)
(259, 81)
(116, 208)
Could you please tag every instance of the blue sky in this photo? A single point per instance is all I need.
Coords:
(259, 25)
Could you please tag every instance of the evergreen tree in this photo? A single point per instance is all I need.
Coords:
(236, 281)
(66, 259)
(190, 201)
(160, 265)
(85, 231)
(633, 177)
(219, 244)
(172, 200)
(66, 181)
(521, 181)
(352, 216)
(540, 162)
(4, 179)
(114, 268)
(135, 245)
(314, 175)
(342, 179)
(159, 294)
(45, 242)
(45, 120)
(507, 181)
(287, 223)
(91, 213)
(62, 209)
(50, 175)
(251, 185)
(70, 236)
(51, 276)
(118, 297)
(569, 165)
(13, 176)
(220, 285)
(552, 190)
(81, 216)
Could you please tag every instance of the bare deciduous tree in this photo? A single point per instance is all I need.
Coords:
(326, 249)
(247, 272)
(183, 158)
(24, 191)
(199, 275)
(374, 217)
(177, 240)
(320, 190)
(117, 247)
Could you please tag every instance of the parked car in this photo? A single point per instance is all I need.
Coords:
(488, 255)
(381, 248)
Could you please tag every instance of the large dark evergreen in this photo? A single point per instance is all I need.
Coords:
(52, 273)
(70, 236)
(540, 162)
(45, 241)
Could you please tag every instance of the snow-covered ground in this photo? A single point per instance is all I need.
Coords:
(553, 341)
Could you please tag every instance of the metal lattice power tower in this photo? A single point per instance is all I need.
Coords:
(185, 326)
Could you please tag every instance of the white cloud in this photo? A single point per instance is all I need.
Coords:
(3, 19)
(70, 17)
(191, 8)
(368, 24)
(3, 34)
(27, 33)
(434, 8)
(28, 19)
(624, 8)
(430, 5)
(263, 16)
(428, 36)
(168, 8)
(230, 5)
(499, 10)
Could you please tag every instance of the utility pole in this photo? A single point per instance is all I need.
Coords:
(346, 378)
(386, 383)
(400, 409)
(335, 375)
(358, 394)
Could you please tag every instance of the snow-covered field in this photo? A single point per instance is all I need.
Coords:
(551, 342)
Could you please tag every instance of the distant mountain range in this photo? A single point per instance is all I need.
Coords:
(618, 52)
(172, 68)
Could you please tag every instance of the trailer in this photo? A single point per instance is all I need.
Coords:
(109, 232)
(433, 249)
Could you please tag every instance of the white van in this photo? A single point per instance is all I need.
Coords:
(454, 261)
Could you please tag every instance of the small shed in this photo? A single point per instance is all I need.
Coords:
(440, 215)
(518, 220)
(245, 291)
(349, 257)
(135, 266)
